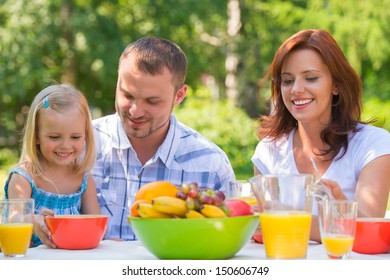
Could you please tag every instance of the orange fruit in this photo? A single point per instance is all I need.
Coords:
(155, 189)
(133, 210)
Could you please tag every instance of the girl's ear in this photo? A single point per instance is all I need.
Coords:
(180, 94)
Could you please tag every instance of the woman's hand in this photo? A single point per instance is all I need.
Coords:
(335, 189)
(41, 229)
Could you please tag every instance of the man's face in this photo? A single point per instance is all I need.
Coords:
(145, 102)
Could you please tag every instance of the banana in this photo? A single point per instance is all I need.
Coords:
(212, 211)
(170, 205)
(146, 210)
(191, 214)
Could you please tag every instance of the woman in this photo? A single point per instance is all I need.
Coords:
(316, 117)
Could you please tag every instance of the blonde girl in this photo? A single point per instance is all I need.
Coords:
(57, 154)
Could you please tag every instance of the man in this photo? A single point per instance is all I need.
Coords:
(143, 142)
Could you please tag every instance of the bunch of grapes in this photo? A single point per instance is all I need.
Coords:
(196, 196)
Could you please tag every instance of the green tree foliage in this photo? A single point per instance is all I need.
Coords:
(376, 109)
(57, 41)
(8, 158)
(360, 27)
(80, 41)
(223, 123)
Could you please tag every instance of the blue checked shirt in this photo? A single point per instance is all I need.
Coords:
(185, 156)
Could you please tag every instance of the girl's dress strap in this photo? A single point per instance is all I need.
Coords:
(84, 183)
(21, 172)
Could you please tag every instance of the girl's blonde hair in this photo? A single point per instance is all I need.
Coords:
(59, 97)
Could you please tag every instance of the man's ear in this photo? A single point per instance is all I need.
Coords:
(181, 94)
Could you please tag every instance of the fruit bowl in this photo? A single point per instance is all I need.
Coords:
(196, 239)
(372, 236)
(77, 232)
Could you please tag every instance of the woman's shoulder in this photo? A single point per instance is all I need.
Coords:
(369, 142)
(276, 143)
(274, 154)
(369, 132)
(273, 147)
(366, 144)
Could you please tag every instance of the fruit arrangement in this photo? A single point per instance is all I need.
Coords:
(164, 200)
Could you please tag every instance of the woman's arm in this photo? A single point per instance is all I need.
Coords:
(335, 189)
(372, 190)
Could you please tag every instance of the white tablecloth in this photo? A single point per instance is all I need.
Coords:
(134, 250)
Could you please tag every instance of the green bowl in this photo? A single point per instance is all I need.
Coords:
(196, 239)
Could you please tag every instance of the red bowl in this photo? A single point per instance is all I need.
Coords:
(372, 236)
(77, 232)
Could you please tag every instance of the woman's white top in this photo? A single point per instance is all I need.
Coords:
(276, 157)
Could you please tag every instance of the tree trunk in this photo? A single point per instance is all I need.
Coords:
(69, 62)
(231, 63)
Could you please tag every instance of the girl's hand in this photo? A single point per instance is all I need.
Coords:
(334, 187)
(41, 229)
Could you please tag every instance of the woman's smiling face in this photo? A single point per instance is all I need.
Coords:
(307, 87)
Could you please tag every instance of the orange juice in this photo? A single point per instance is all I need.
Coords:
(337, 244)
(285, 233)
(15, 238)
(251, 200)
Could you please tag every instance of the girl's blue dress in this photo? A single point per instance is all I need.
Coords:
(59, 203)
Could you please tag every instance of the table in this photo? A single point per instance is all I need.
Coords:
(134, 250)
(114, 260)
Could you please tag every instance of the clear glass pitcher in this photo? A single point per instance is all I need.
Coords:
(285, 204)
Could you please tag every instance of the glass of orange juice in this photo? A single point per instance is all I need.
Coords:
(241, 189)
(16, 226)
(285, 203)
(337, 225)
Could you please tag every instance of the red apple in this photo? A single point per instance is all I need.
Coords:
(258, 238)
(238, 208)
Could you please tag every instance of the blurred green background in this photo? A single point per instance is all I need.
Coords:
(229, 45)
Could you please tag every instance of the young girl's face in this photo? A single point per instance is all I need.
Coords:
(307, 87)
(61, 135)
